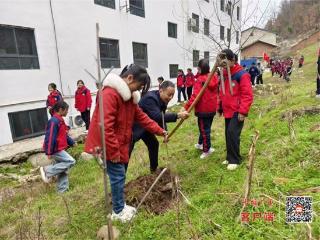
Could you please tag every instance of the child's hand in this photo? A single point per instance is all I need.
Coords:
(183, 115)
(165, 134)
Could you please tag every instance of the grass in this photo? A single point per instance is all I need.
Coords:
(282, 166)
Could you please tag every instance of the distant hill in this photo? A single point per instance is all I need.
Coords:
(295, 17)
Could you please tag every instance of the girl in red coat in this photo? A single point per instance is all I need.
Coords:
(181, 79)
(83, 102)
(235, 107)
(189, 82)
(205, 108)
(53, 97)
(120, 102)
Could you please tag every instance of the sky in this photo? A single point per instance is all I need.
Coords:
(257, 12)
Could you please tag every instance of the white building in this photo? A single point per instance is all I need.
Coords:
(43, 41)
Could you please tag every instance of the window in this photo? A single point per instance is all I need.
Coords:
(222, 32)
(18, 48)
(229, 35)
(206, 27)
(29, 123)
(195, 58)
(229, 6)
(222, 5)
(109, 53)
(140, 54)
(195, 28)
(237, 37)
(207, 0)
(238, 13)
(207, 55)
(172, 30)
(137, 7)
(106, 3)
(173, 70)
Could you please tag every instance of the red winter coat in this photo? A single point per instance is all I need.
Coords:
(189, 80)
(53, 98)
(242, 93)
(208, 102)
(83, 99)
(180, 81)
(121, 111)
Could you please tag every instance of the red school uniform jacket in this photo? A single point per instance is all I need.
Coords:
(242, 97)
(189, 80)
(208, 102)
(121, 110)
(181, 81)
(56, 136)
(53, 98)
(83, 99)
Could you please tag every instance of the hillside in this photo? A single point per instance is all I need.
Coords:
(294, 18)
(284, 166)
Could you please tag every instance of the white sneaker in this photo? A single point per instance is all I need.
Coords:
(130, 208)
(43, 175)
(206, 154)
(225, 162)
(198, 146)
(232, 167)
(85, 131)
(318, 96)
(124, 216)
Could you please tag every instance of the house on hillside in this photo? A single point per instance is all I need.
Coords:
(54, 41)
(256, 41)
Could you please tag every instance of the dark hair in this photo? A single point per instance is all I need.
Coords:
(53, 86)
(229, 54)
(80, 81)
(139, 74)
(166, 84)
(180, 70)
(204, 66)
(60, 105)
(161, 79)
(189, 69)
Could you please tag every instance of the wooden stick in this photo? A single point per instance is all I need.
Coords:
(229, 79)
(204, 87)
(252, 152)
(103, 140)
(223, 88)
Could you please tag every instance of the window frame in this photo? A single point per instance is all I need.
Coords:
(237, 37)
(112, 60)
(208, 55)
(20, 56)
(112, 6)
(238, 13)
(195, 54)
(195, 28)
(137, 9)
(140, 61)
(206, 31)
(228, 35)
(222, 32)
(33, 134)
(175, 27)
(170, 72)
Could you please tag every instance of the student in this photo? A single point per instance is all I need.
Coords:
(181, 79)
(254, 73)
(55, 143)
(160, 80)
(53, 97)
(83, 102)
(301, 61)
(189, 82)
(235, 108)
(205, 109)
(259, 77)
(120, 102)
(154, 104)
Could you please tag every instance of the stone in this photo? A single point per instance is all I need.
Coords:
(104, 235)
(86, 156)
(39, 160)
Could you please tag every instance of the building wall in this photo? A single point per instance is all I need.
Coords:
(247, 39)
(257, 50)
(75, 23)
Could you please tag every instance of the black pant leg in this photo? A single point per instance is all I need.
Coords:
(233, 140)
(179, 94)
(318, 85)
(184, 93)
(153, 148)
(189, 92)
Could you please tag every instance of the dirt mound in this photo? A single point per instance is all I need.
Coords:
(160, 198)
